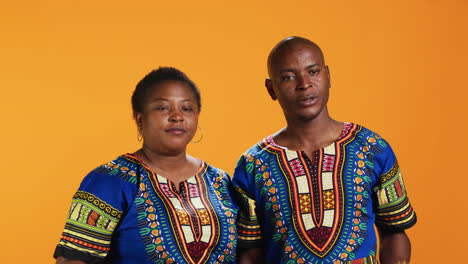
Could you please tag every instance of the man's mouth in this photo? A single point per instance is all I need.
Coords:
(307, 100)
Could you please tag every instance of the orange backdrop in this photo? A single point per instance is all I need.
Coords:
(68, 69)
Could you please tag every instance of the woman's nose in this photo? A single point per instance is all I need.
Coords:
(176, 116)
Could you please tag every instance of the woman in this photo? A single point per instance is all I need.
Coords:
(157, 205)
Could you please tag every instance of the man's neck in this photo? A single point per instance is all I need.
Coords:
(309, 135)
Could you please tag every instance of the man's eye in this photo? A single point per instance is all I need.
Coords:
(160, 108)
(188, 109)
(314, 72)
(288, 77)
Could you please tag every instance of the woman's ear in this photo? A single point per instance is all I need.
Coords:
(138, 120)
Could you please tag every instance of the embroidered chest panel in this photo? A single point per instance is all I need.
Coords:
(190, 212)
(316, 193)
(318, 210)
(195, 223)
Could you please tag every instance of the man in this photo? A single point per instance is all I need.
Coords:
(312, 192)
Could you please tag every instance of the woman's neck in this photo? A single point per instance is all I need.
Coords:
(176, 168)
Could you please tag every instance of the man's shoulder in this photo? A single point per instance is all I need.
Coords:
(215, 172)
(370, 141)
(258, 148)
(364, 134)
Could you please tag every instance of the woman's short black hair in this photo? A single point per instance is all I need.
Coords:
(158, 76)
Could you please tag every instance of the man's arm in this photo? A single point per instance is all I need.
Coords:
(62, 260)
(395, 247)
(250, 256)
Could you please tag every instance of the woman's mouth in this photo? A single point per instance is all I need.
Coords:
(176, 131)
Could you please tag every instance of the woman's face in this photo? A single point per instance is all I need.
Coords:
(169, 119)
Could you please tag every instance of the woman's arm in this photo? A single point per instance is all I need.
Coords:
(62, 260)
(395, 248)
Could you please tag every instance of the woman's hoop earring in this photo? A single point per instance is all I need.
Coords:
(201, 136)
(139, 136)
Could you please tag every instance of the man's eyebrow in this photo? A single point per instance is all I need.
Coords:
(292, 70)
(286, 70)
(313, 65)
(165, 99)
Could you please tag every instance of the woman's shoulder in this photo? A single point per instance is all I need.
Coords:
(125, 167)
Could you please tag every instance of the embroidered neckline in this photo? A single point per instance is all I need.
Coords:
(269, 142)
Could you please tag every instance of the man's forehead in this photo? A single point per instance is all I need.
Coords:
(296, 54)
(293, 42)
(291, 50)
(297, 51)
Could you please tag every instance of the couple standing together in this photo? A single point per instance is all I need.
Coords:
(311, 193)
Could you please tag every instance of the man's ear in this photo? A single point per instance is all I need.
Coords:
(270, 90)
(328, 76)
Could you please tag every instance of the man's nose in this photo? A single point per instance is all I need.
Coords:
(303, 82)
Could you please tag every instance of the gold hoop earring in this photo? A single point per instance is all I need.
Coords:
(201, 136)
(139, 136)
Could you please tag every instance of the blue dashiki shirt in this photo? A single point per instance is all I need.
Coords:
(125, 213)
(321, 209)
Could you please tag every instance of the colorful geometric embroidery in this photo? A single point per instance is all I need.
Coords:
(121, 169)
(367, 260)
(394, 208)
(328, 199)
(90, 224)
(228, 254)
(201, 228)
(269, 189)
(247, 225)
(292, 256)
(319, 212)
(320, 209)
(328, 162)
(150, 226)
(249, 230)
(296, 166)
(363, 167)
(193, 225)
(193, 221)
(305, 204)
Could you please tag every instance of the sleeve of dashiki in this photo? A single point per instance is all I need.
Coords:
(96, 209)
(394, 212)
(248, 228)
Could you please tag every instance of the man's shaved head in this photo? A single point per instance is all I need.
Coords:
(281, 49)
(299, 79)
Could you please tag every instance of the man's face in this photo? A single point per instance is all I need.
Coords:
(300, 80)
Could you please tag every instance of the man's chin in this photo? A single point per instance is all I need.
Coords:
(308, 116)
